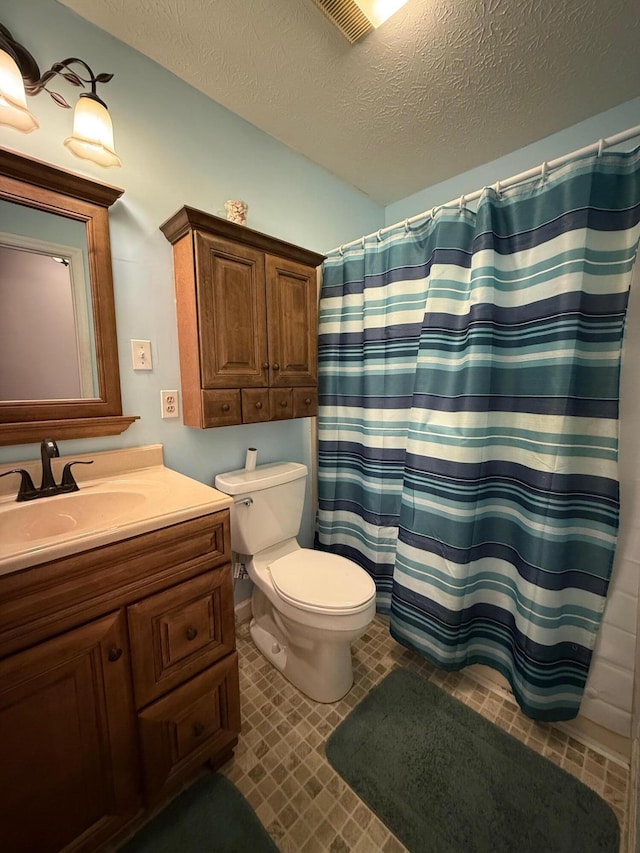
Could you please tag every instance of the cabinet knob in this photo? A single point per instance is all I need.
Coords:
(276, 366)
(283, 403)
(198, 729)
(192, 633)
(225, 407)
(258, 405)
(265, 366)
(114, 654)
(307, 400)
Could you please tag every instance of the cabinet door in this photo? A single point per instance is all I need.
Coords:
(67, 740)
(292, 311)
(231, 314)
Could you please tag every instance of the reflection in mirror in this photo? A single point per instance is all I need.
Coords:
(47, 346)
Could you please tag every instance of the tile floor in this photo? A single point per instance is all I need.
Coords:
(280, 765)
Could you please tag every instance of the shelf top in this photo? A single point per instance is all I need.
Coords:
(189, 219)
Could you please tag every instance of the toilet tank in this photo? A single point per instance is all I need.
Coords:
(274, 510)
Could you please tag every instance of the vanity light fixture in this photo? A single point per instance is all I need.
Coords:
(92, 136)
(356, 18)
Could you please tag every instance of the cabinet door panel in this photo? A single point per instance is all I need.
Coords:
(67, 740)
(231, 314)
(196, 722)
(293, 322)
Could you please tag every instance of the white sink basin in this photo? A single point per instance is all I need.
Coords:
(125, 493)
(77, 513)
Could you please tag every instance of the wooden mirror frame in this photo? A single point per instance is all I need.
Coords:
(41, 186)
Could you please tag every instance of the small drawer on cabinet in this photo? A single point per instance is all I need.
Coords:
(305, 402)
(221, 408)
(281, 403)
(180, 631)
(196, 723)
(255, 405)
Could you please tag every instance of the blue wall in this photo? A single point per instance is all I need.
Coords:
(177, 147)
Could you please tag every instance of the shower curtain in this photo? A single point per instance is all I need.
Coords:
(468, 424)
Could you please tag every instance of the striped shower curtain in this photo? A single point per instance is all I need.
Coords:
(468, 425)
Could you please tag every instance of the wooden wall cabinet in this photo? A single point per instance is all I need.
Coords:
(247, 322)
(118, 682)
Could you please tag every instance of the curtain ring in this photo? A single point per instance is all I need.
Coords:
(363, 241)
(600, 147)
(463, 202)
(341, 250)
(406, 226)
(497, 187)
(378, 237)
(543, 172)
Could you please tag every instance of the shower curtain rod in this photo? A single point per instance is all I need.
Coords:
(598, 147)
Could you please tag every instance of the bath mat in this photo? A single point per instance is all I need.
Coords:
(446, 780)
(210, 817)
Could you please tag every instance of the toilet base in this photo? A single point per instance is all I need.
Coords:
(319, 666)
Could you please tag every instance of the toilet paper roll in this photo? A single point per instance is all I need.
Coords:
(250, 461)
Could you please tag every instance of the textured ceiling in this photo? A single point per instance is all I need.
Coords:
(443, 86)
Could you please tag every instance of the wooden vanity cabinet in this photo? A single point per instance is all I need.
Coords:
(118, 682)
(247, 322)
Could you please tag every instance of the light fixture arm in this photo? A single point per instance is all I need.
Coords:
(34, 82)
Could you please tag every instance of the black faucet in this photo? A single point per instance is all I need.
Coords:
(48, 486)
(48, 449)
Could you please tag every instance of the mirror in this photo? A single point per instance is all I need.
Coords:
(58, 351)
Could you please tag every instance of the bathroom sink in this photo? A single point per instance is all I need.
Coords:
(124, 493)
(77, 513)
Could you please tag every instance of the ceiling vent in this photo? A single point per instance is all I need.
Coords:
(347, 16)
(356, 18)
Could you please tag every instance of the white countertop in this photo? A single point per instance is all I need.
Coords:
(123, 494)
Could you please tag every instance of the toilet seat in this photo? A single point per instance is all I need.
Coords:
(321, 583)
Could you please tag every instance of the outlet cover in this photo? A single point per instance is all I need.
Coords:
(169, 404)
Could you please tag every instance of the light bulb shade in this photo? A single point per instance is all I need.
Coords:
(92, 137)
(378, 11)
(13, 101)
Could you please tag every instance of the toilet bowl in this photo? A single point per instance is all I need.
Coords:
(307, 606)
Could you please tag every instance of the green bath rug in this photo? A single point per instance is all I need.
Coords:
(446, 780)
(210, 817)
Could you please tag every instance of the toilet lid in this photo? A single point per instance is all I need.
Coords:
(321, 582)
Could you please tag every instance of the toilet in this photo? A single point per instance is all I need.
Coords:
(307, 606)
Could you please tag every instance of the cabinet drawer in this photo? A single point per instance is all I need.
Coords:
(180, 631)
(255, 405)
(221, 408)
(196, 723)
(281, 400)
(305, 402)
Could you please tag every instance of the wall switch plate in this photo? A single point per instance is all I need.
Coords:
(169, 403)
(141, 355)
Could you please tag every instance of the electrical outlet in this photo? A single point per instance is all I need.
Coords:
(169, 404)
(141, 355)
